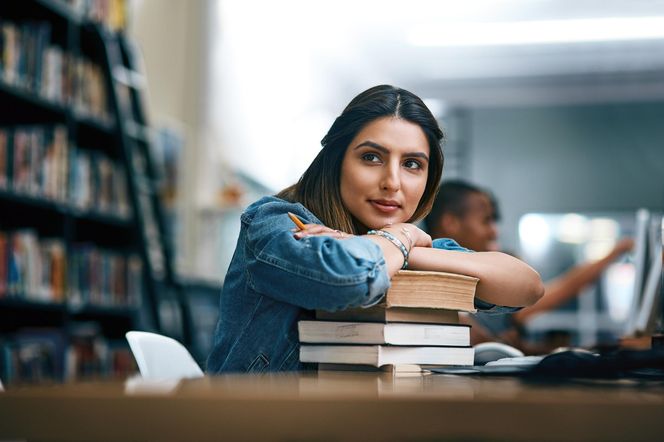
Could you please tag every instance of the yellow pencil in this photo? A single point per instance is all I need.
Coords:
(296, 220)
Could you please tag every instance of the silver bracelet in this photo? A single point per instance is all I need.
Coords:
(394, 240)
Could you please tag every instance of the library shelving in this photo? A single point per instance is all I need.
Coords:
(83, 250)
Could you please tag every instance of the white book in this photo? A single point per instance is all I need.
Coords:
(332, 332)
(379, 355)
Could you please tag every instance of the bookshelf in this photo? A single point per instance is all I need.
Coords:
(83, 255)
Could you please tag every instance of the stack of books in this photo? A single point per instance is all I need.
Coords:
(416, 324)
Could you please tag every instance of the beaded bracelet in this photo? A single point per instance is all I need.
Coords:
(394, 240)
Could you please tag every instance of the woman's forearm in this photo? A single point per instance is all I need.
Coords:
(504, 280)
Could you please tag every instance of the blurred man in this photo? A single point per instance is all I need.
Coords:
(468, 214)
(465, 213)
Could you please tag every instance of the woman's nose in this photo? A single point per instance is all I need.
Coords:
(391, 180)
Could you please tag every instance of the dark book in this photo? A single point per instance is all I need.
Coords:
(395, 370)
(4, 263)
(4, 158)
(380, 313)
(34, 356)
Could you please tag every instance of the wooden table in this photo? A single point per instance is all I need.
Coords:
(336, 406)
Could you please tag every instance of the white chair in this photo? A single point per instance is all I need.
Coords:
(161, 357)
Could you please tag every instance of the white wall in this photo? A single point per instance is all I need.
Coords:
(574, 158)
(168, 32)
(172, 37)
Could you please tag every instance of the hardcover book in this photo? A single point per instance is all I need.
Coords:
(327, 332)
(394, 370)
(380, 313)
(424, 289)
(379, 355)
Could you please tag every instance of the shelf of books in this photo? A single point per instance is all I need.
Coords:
(73, 263)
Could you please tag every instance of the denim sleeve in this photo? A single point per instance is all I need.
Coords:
(318, 272)
(448, 244)
(486, 307)
(493, 309)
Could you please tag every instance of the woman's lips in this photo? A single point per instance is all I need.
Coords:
(384, 206)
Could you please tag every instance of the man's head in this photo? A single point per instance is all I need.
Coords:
(465, 213)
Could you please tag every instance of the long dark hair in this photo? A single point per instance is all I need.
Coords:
(319, 187)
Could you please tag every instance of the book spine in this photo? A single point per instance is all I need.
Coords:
(401, 334)
(4, 263)
(4, 158)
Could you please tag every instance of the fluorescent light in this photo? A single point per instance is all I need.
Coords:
(534, 235)
(539, 32)
(573, 229)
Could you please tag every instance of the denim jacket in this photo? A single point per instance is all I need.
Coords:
(274, 280)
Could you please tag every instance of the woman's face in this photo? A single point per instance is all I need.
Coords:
(384, 172)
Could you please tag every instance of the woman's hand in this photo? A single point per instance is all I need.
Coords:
(320, 230)
(409, 234)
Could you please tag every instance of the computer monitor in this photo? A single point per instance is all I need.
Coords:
(647, 294)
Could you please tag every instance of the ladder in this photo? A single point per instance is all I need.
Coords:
(127, 86)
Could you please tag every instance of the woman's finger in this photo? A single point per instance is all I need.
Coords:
(318, 230)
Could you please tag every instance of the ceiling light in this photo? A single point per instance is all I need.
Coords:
(538, 32)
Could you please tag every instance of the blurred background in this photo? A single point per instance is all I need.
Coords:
(556, 106)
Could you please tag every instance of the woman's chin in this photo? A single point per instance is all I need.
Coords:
(380, 222)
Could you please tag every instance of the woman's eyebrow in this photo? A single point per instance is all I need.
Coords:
(374, 145)
(386, 150)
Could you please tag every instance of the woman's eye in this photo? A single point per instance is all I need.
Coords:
(412, 164)
(371, 157)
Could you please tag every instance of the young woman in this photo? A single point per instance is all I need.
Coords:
(376, 175)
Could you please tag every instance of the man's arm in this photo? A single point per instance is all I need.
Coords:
(569, 284)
